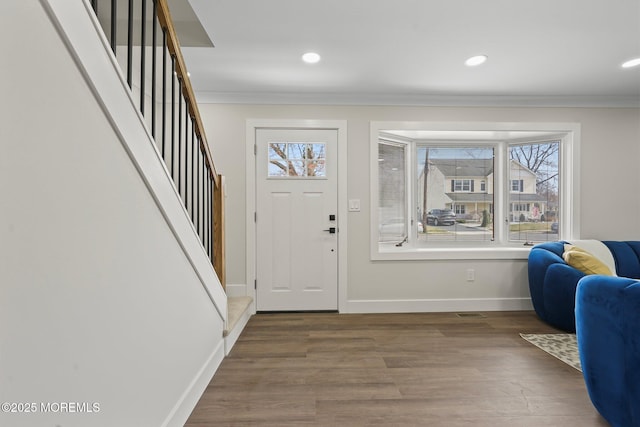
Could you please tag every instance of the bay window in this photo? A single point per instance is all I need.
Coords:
(470, 190)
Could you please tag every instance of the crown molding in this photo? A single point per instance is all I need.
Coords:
(281, 98)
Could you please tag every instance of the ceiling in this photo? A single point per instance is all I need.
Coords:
(412, 52)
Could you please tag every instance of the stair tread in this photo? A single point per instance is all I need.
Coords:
(236, 307)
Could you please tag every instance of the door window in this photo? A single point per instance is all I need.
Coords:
(297, 160)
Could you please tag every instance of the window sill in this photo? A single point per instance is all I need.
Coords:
(387, 252)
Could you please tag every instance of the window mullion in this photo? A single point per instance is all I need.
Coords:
(412, 192)
(501, 188)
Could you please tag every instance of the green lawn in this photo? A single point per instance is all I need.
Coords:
(435, 230)
(530, 226)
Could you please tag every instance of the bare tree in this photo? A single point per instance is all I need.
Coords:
(539, 158)
(297, 159)
(283, 162)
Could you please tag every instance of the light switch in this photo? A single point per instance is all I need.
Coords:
(354, 205)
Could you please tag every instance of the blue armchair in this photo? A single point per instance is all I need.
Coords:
(608, 331)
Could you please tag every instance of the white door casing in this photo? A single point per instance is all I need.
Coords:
(296, 219)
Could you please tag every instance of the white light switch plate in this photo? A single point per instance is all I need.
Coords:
(354, 205)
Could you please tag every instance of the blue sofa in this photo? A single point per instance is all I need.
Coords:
(553, 283)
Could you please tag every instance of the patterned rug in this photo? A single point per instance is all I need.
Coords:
(562, 346)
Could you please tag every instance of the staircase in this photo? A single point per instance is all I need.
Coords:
(148, 51)
(114, 237)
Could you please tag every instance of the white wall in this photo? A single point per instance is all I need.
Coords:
(610, 149)
(103, 295)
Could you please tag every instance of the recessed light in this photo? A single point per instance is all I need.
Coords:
(475, 60)
(311, 57)
(631, 63)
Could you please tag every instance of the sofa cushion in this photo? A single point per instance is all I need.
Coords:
(584, 261)
(598, 249)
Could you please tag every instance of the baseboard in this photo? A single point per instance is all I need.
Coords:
(183, 408)
(438, 305)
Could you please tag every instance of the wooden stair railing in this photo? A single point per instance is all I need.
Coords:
(148, 50)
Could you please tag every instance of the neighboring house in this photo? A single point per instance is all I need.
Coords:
(525, 202)
(466, 187)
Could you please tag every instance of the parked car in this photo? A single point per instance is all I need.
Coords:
(441, 217)
(554, 227)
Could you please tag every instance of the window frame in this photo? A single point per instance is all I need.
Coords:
(303, 160)
(489, 133)
(408, 168)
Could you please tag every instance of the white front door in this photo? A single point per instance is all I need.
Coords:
(296, 219)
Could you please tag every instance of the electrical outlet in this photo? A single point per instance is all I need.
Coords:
(471, 275)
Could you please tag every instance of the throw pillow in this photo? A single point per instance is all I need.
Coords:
(584, 261)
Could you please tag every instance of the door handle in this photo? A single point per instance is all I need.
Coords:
(331, 230)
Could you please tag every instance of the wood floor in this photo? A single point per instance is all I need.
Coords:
(430, 369)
